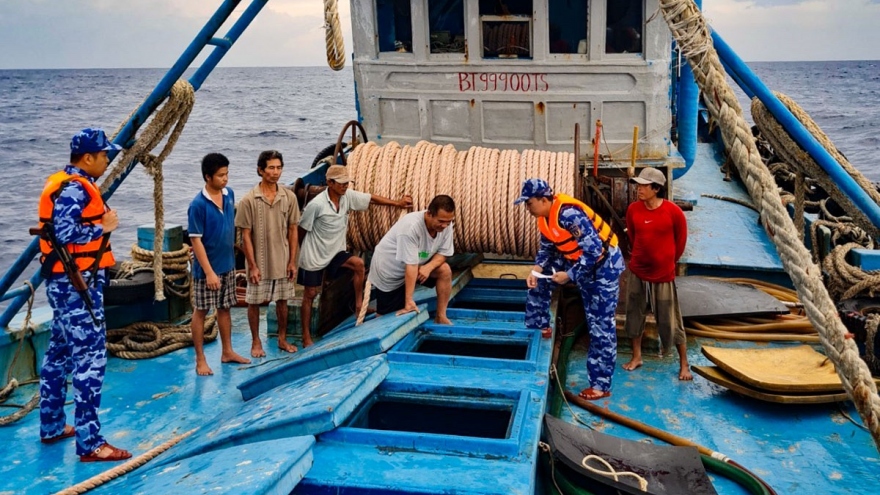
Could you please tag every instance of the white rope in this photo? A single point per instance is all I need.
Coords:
(692, 34)
(611, 472)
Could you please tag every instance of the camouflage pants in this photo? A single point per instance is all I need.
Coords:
(76, 346)
(599, 294)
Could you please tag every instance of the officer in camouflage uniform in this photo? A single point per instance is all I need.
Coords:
(577, 246)
(77, 343)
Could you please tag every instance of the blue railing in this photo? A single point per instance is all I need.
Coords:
(126, 136)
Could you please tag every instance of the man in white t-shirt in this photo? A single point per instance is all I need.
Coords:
(325, 224)
(415, 251)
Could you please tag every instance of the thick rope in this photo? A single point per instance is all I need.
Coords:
(129, 466)
(168, 122)
(144, 340)
(333, 36)
(692, 34)
(175, 267)
(483, 182)
(27, 329)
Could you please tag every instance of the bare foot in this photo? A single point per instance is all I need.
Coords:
(234, 357)
(202, 369)
(633, 365)
(684, 374)
(257, 350)
(442, 320)
(307, 342)
(286, 346)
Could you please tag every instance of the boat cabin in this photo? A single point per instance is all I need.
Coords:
(516, 74)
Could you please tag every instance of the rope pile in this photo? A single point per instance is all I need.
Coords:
(174, 268)
(692, 34)
(144, 340)
(483, 182)
(333, 36)
(171, 118)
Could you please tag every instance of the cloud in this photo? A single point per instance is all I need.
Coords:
(773, 30)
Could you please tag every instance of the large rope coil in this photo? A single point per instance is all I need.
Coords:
(692, 34)
(177, 279)
(483, 182)
(144, 340)
(333, 35)
(168, 123)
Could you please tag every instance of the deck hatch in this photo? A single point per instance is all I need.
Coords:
(438, 415)
(473, 348)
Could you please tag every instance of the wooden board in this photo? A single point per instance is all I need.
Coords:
(719, 377)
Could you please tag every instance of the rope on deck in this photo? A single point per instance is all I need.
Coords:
(168, 122)
(484, 183)
(27, 330)
(333, 36)
(113, 473)
(144, 340)
(692, 34)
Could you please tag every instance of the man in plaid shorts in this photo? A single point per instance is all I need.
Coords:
(211, 228)
(268, 216)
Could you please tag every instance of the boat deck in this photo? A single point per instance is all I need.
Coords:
(795, 448)
(723, 237)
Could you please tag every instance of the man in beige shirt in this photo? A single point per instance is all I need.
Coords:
(268, 216)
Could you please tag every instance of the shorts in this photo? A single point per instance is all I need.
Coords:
(279, 289)
(315, 278)
(662, 300)
(206, 299)
(391, 301)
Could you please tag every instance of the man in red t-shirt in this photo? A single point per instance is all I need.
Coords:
(657, 231)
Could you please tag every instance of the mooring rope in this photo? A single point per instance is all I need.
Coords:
(22, 335)
(175, 267)
(144, 340)
(333, 36)
(483, 182)
(692, 34)
(168, 122)
(131, 465)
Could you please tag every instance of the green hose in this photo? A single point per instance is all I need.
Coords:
(736, 474)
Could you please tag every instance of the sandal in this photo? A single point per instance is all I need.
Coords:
(594, 394)
(546, 333)
(115, 454)
(67, 432)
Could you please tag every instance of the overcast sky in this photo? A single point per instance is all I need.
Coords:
(153, 33)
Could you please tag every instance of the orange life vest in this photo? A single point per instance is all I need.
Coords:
(562, 238)
(83, 254)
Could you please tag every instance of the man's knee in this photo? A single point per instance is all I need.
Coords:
(355, 264)
(309, 293)
(442, 272)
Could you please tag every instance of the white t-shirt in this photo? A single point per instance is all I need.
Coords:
(407, 243)
(327, 227)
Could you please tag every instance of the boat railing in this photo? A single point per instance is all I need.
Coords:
(752, 85)
(126, 136)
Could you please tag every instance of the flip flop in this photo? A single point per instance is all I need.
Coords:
(593, 394)
(546, 333)
(67, 432)
(115, 455)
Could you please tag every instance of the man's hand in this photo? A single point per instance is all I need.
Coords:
(405, 201)
(254, 275)
(291, 271)
(212, 281)
(424, 273)
(109, 221)
(408, 308)
(531, 280)
(560, 278)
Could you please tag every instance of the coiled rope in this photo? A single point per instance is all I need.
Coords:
(175, 267)
(144, 340)
(131, 465)
(333, 36)
(483, 182)
(27, 329)
(692, 34)
(168, 122)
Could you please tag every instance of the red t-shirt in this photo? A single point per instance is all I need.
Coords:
(658, 238)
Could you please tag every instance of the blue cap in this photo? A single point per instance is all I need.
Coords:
(534, 188)
(91, 140)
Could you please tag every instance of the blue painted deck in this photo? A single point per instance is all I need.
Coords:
(723, 236)
(795, 448)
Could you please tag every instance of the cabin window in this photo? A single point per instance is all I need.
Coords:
(446, 18)
(506, 28)
(623, 29)
(568, 26)
(394, 21)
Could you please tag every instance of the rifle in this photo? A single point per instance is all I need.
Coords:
(60, 252)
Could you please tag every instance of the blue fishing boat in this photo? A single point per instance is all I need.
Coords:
(469, 98)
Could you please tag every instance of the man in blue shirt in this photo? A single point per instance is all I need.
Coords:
(212, 233)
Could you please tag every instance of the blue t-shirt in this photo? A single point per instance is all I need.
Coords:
(217, 230)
